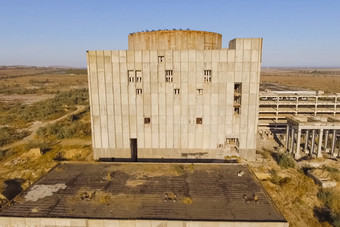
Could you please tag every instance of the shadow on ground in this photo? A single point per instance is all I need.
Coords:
(13, 188)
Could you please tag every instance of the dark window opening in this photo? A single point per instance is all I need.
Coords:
(238, 88)
(199, 121)
(139, 91)
(160, 58)
(237, 110)
(237, 98)
(147, 120)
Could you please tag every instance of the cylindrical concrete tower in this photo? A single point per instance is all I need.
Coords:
(175, 40)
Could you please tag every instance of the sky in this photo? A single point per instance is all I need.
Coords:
(296, 33)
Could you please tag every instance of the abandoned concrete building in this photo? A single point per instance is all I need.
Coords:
(175, 94)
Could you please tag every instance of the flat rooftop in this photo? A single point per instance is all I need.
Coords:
(206, 192)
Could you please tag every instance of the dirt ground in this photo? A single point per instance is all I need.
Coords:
(296, 196)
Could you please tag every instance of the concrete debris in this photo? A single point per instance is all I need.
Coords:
(253, 198)
(240, 173)
(42, 191)
(169, 197)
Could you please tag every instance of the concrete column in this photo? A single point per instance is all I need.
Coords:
(306, 140)
(319, 155)
(338, 149)
(292, 143)
(326, 140)
(333, 142)
(313, 142)
(298, 139)
(287, 137)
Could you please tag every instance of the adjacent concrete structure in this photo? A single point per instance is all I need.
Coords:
(175, 94)
(275, 106)
(309, 127)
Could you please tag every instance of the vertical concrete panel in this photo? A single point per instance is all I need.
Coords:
(102, 99)
(124, 100)
(93, 90)
(251, 122)
(170, 132)
(117, 99)
(109, 100)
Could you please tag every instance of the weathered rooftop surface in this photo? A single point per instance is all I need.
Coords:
(207, 192)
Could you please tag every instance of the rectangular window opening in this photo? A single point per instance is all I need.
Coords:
(232, 141)
(238, 88)
(237, 110)
(199, 91)
(199, 121)
(131, 76)
(207, 76)
(176, 91)
(147, 120)
(160, 58)
(139, 91)
(237, 98)
(138, 76)
(168, 76)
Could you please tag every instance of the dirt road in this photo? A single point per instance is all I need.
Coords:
(36, 125)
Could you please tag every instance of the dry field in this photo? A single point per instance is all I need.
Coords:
(327, 80)
(44, 118)
(17, 71)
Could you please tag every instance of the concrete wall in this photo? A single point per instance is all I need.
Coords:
(58, 222)
(175, 39)
(118, 112)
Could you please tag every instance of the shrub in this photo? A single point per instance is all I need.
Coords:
(44, 146)
(276, 179)
(285, 160)
(331, 199)
(10, 135)
(334, 172)
(68, 128)
(47, 109)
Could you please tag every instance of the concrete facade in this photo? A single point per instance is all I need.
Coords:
(63, 222)
(178, 93)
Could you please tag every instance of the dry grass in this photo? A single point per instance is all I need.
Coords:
(187, 200)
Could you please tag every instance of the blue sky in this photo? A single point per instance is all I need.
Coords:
(58, 32)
